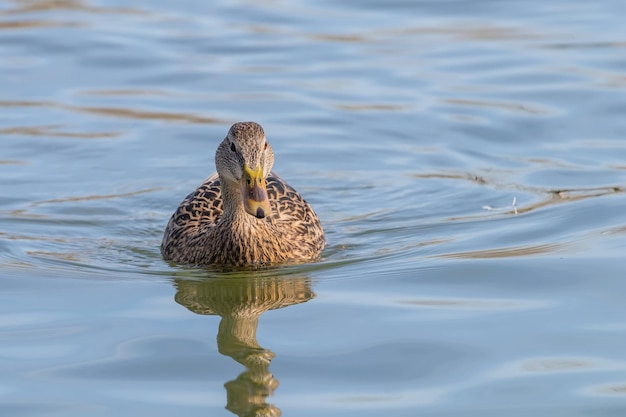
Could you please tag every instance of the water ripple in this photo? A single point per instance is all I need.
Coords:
(466, 160)
(118, 112)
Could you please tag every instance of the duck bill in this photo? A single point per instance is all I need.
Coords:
(254, 192)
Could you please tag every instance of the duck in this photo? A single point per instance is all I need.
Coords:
(244, 214)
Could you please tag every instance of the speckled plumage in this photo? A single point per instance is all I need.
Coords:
(211, 227)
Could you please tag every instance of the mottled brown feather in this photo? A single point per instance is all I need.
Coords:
(195, 235)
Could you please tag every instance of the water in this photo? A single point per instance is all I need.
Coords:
(467, 160)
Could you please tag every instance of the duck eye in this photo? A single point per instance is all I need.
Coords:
(265, 147)
(232, 147)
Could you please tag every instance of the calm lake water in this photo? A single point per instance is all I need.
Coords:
(467, 159)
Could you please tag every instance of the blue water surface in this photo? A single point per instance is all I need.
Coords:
(467, 159)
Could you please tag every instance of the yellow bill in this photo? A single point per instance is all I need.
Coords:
(254, 192)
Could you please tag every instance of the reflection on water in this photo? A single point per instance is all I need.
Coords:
(240, 302)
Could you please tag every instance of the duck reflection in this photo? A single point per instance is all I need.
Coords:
(240, 302)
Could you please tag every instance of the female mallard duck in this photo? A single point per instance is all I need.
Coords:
(244, 214)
